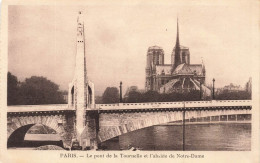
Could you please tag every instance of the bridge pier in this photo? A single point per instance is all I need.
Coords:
(89, 136)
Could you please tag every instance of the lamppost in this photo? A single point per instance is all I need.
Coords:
(200, 90)
(213, 93)
(121, 92)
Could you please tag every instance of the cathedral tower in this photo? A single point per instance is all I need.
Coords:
(155, 56)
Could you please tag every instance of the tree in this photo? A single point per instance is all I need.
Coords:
(98, 99)
(228, 95)
(33, 91)
(39, 90)
(12, 89)
(193, 95)
(134, 96)
(110, 95)
(151, 96)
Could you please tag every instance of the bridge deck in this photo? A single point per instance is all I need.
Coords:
(132, 106)
(184, 104)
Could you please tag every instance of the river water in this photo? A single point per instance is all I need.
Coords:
(200, 137)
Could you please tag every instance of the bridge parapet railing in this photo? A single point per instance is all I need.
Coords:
(34, 108)
(218, 103)
(149, 105)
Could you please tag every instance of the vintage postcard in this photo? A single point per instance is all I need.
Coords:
(124, 81)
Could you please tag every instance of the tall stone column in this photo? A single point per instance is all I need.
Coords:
(80, 79)
(85, 122)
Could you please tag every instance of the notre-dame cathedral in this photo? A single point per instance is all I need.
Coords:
(179, 76)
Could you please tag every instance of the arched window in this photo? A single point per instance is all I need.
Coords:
(72, 96)
(184, 57)
(158, 56)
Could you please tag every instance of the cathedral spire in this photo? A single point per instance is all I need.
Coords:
(203, 67)
(177, 37)
(177, 49)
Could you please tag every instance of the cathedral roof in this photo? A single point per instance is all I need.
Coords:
(197, 68)
(182, 69)
(163, 69)
(189, 69)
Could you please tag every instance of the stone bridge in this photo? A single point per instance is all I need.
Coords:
(21, 118)
(118, 119)
(110, 120)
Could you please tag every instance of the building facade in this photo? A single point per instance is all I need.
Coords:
(230, 88)
(179, 76)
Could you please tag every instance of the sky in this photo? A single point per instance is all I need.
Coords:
(42, 41)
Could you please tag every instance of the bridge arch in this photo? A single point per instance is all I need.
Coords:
(91, 95)
(18, 126)
(116, 124)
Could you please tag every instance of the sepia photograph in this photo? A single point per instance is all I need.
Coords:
(173, 76)
(89, 78)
